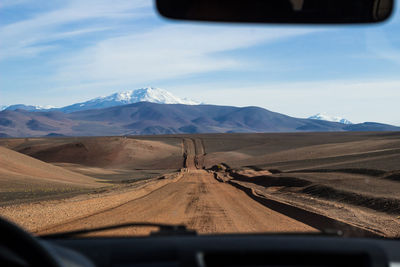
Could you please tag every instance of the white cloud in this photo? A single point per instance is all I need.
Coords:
(166, 52)
(26, 37)
(380, 46)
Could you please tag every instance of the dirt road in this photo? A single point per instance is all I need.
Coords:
(196, 200)
(193, 153)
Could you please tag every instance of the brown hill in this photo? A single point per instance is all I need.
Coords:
(31, 178)
(104, 152)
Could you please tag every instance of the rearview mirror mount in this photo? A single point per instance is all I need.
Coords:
(278, 11)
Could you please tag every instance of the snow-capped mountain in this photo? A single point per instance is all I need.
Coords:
(325, 117)
(149, 94)
(26, 107)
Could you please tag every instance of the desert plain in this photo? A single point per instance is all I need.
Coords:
(346, 182)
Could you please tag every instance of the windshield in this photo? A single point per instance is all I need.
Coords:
(110, 114)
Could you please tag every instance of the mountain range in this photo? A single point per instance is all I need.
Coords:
(156, 111)
(148, 94)
(26, 107)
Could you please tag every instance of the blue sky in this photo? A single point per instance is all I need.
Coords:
(61, 52)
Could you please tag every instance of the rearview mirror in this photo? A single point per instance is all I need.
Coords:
(278, 11)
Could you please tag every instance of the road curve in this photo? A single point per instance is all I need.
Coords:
(197, 200)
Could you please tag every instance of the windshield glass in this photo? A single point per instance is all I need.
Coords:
(110, 114)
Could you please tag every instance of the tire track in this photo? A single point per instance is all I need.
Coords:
(189, 153)
(200, 153)
(196, 200)
(313, 219)
(193, 153)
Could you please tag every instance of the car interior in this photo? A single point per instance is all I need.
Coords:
(177, 245)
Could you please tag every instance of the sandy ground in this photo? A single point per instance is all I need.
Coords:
(361, 200)
(40, 215)
(351, 178)
(115, 176)
(198, 201)
(293, 151)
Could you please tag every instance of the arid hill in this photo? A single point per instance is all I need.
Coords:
(23, 177)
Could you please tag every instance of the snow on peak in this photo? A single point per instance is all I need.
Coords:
(45, 107)
(26, 107)
(325, 117)
(148, 94)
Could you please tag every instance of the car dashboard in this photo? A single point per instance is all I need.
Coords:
(227, 250)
